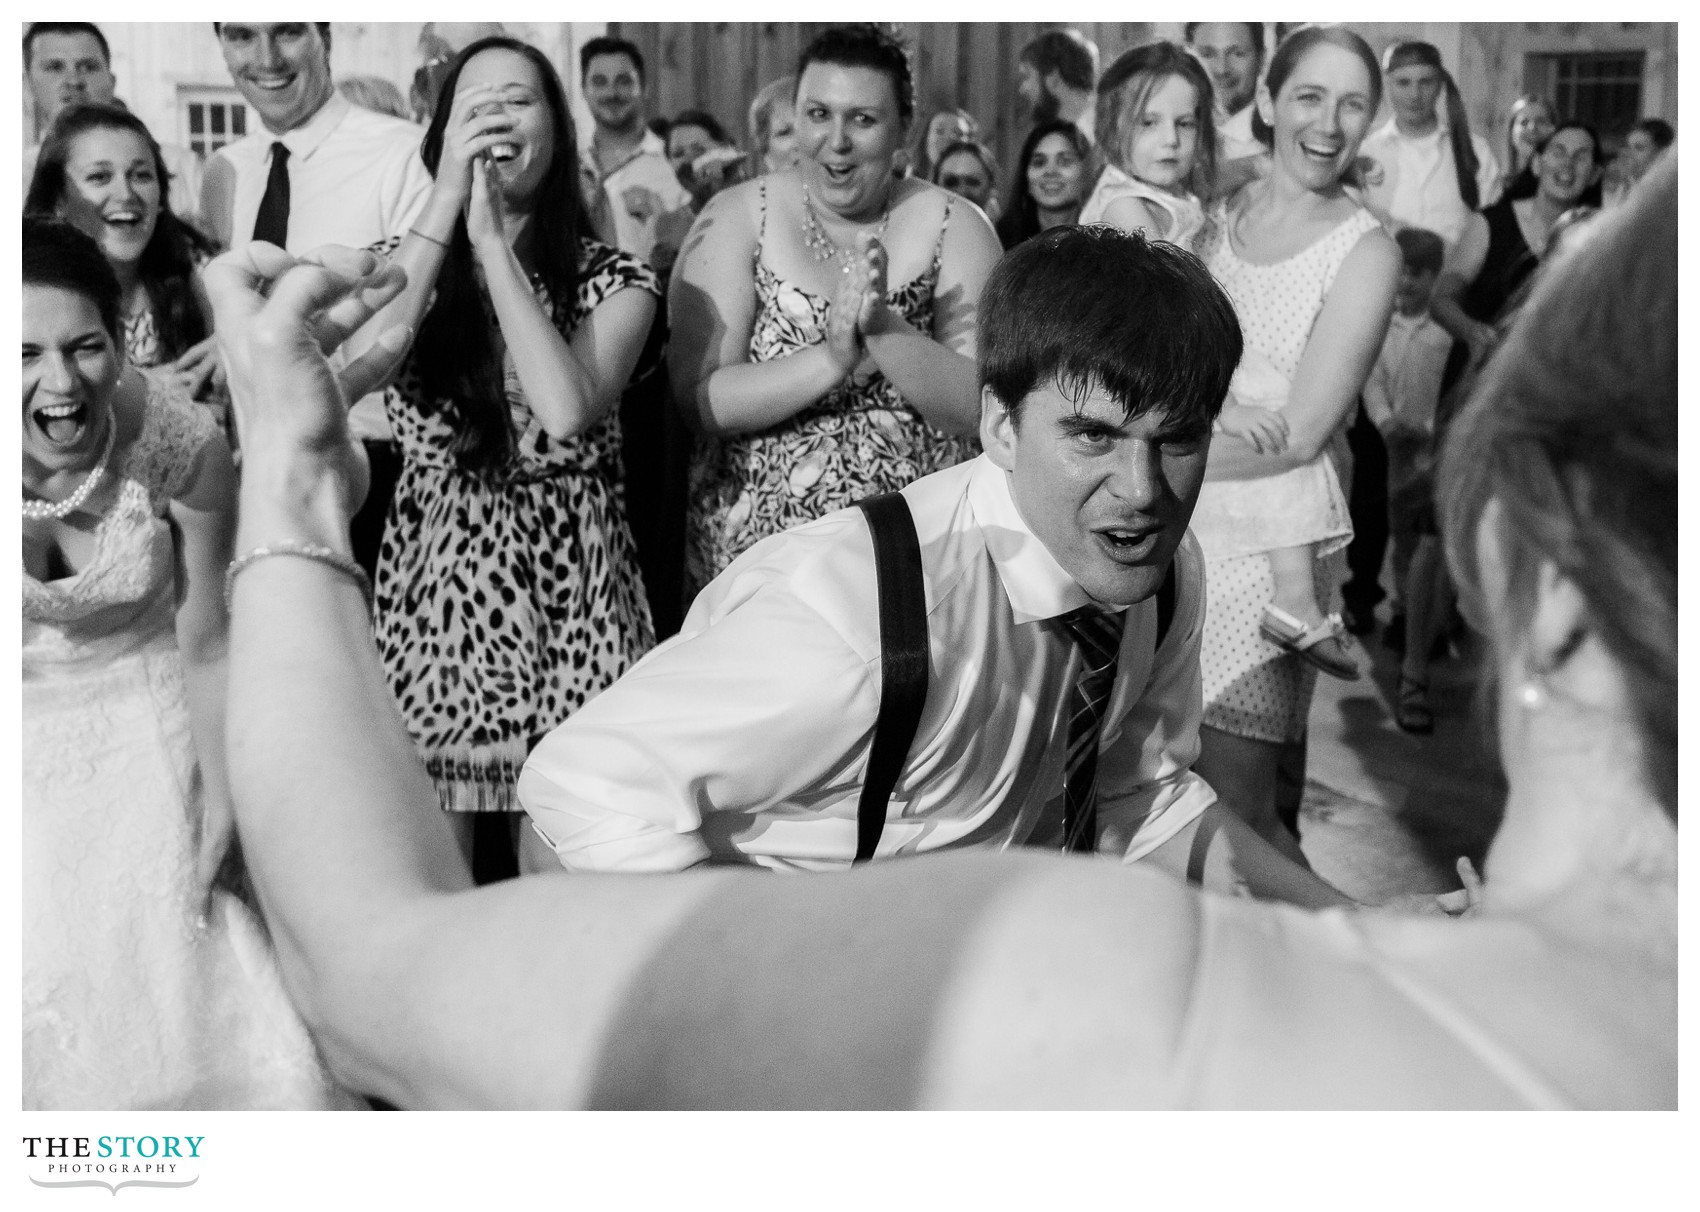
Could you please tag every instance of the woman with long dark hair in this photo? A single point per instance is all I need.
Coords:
(1053, 176)
(101, 170)
(507, 594)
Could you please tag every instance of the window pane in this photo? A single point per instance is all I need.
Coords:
(238, 119)
(217, 116)
(197, 119)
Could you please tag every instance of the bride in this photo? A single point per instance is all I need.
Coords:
(142, 987)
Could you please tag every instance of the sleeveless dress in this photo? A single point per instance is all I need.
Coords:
(1186, 214)
(1252, 688)
(137, 992)
(503, 602)
(1299, 508)
(860, 439)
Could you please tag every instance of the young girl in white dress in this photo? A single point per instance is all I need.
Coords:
(1293, 518)
(1158, 139)
(1157, 135)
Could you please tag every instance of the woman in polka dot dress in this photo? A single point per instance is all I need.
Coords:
(1312, 276)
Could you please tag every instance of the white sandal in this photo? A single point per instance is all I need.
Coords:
(1323, 645)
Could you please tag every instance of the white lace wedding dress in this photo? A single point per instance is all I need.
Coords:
(137, 993)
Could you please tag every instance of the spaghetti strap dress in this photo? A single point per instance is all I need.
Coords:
(860, 439)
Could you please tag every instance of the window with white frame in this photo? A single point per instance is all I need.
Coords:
(209, 118)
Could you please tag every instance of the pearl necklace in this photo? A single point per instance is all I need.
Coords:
(40, 510)
(822, 245)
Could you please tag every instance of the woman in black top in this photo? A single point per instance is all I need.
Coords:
(1497, 251)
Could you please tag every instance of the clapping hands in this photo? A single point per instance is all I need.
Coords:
(859, 309)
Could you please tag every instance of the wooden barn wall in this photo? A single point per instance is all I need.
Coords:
(719, 66)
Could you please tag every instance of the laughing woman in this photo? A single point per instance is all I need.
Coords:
(101, 170)
(507, 590)
(143, 987)
(815, 381)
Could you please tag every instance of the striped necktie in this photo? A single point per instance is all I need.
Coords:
(1099, 636)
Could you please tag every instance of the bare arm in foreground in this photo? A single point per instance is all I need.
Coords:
(933, 982)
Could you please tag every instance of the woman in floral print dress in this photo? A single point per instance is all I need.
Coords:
(814, 382)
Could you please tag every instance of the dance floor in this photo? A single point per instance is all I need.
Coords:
(1386, 812)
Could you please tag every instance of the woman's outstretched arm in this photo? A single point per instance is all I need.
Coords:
(391, 956)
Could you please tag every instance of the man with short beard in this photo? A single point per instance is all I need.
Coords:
(1059, 70)
(628, 183)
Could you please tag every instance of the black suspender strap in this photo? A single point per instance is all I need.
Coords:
(904, 660)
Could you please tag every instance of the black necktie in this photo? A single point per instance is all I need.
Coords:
(272, 222)
(1099, 636)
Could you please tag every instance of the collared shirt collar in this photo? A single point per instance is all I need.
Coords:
(305, 139)
(651, 145)
(1036, 585)
(1391, 131)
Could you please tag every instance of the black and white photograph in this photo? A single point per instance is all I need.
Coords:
(842, 566)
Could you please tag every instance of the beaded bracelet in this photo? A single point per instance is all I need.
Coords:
(307, 551)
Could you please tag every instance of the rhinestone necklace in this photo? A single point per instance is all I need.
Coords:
(822, 245)
(39, 510)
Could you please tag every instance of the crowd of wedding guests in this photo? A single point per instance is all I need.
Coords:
(596, 380)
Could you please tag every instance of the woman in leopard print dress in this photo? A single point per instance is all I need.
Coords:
(507, 594)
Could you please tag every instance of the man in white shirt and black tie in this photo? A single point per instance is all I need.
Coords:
(1054, 713)
(319, 171)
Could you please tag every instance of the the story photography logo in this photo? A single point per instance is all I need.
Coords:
(114, 1161)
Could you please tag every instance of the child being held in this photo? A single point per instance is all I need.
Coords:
(1156, 130)
(1294, 518)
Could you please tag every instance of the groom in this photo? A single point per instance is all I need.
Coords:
(1062, 707)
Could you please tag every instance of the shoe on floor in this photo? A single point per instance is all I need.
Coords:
(1411, 708)
(1323, 645)
(1358, 620)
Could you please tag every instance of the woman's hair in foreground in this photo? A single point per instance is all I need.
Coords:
(1020, 220)
(1126, 87)
(1291, 52)
(167, 267)
(59, 255)
(1573, 429)
(877, 47)
(455, 351)
(1095, 307)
